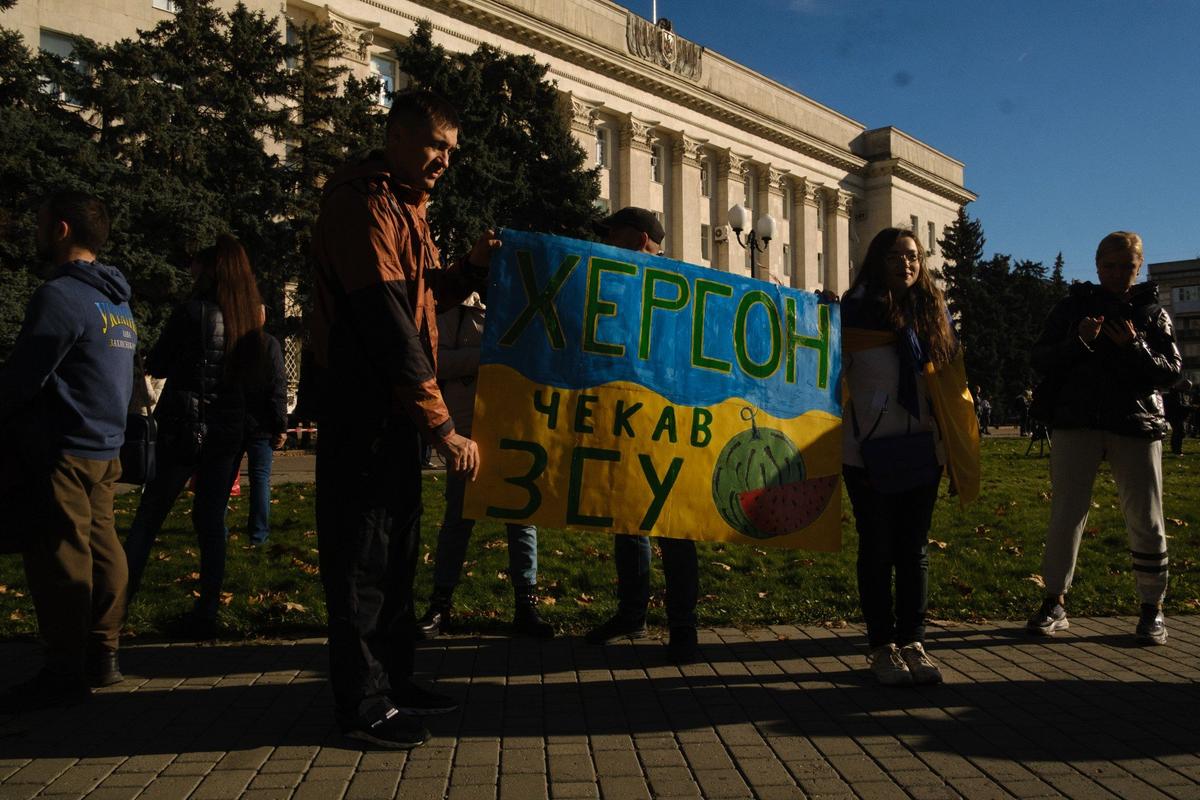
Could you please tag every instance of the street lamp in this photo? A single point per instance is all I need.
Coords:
(763, 231)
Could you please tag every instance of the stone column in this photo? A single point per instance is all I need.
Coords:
(808, 238)
(633, 162)
(769, 200)
(730, 190)
(837, 240)
(685, 199)
(583, 117)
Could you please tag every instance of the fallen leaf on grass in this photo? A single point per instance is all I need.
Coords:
(1045, 496)
(1001, 510)
(982, 530)
(939, 545)
(762, 595)
(16, 616)
(1037, 580)
(1193, 604)
(1091, 531)
(163, 556)
(557, 552)
(547, 600)
(722, 565)
(495, 544)
(1178, 523)
(502, 575)
(584, 599)
(427, 558)
(3, 589)
(226, 598)
(305, 567)
(833, 624)
(290, 606)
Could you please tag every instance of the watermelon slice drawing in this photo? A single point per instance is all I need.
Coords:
(759, 484)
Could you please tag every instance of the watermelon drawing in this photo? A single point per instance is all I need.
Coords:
(759, 484)
(778, 510)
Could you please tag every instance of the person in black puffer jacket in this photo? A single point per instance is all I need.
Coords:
(210, 351)
(1107, 350)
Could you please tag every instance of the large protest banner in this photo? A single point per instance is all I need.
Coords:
(625, 392)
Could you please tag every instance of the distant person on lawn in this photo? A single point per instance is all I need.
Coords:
(266, 432)
(64, 392)
(1106, 352)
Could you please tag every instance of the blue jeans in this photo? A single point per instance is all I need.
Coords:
(456, 531)
(893, 537)
(260, 455)
(208, 518)
(680, 567)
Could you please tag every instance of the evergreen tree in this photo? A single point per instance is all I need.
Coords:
(518, 165)
(1057, 282)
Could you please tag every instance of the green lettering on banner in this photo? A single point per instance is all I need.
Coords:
(528, 481)
(540, 301)
(579, 457)
(703, 289)
(650, 301)
(597, 308)
(701, 417)
(666, 423)
(622, 416)
(740, 345)
(820, 343)
(583, 413)
(660, 489)
(550, 409)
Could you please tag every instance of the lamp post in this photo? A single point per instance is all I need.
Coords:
(763, 231)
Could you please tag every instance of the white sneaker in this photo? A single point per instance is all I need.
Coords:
(922, 668)
(888, 667)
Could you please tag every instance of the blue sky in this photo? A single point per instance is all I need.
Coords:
(1073, 117)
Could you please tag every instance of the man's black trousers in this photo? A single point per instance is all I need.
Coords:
(368, 530)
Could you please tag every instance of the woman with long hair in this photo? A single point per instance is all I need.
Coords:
(210, 351)
(896, 334)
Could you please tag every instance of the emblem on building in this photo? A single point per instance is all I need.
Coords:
(659, 45)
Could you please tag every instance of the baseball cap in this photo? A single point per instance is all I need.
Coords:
(639, 219)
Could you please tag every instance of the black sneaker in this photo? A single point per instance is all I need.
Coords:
(412, 698)
(44, 690)
(102, 668)
(1151, 627)
(616, 629)
(1049, 618)
(385, 726)
(682, 647)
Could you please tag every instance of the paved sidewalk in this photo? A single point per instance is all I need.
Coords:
(774, 713)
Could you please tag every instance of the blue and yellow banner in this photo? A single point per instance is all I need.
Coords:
(631, 393)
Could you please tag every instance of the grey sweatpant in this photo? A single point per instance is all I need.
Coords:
(1137, 469)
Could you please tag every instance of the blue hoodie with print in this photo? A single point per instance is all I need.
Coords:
(71, 370)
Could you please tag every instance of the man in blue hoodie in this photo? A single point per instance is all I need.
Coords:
(65, 390)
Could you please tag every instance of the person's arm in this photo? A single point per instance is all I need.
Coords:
(49, 330)
(1153, 357)
(1060, 344)
(171, 342)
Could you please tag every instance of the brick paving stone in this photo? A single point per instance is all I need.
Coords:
(373, 785)
(170, 787)
(19, 791)
(320, 790)
(42, 771)
(382, 759)
(522, 787)
(79, 780)
(275, 780)
(575, 790)
(124, 780)
(419, 789)
(222, 785)
(721, 783)
(473, 775)
(524, 760)
(617, 763)
(626, 788)
(266, 794)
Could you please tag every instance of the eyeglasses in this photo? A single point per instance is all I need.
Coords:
(909, 256)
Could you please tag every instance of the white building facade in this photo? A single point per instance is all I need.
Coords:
(673, 127)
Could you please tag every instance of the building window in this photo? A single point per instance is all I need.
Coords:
(166, 5)
(748, 197)
(914, 225)
(384, 69)
(292, 38)
(705, 240)
(656, 163)
(602, 205)
(787, 258)
(60, 45)
(787, 203)
(1185, 294)
(705, 178)
(602, 147)
(820, 211)
(931, 245)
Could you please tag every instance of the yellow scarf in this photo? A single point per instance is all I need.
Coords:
(953, 407)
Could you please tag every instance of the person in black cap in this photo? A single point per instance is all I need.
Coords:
(638, 229)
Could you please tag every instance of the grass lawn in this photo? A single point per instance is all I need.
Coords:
(983, 564)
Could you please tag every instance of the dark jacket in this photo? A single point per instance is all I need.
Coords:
(68, 380)
(1100, 385)
(378, 285)
(266, 400)
(190, 354)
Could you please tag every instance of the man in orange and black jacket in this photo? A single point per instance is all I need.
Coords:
(379, 284)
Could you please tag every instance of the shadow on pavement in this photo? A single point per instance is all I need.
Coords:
(192, 698)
